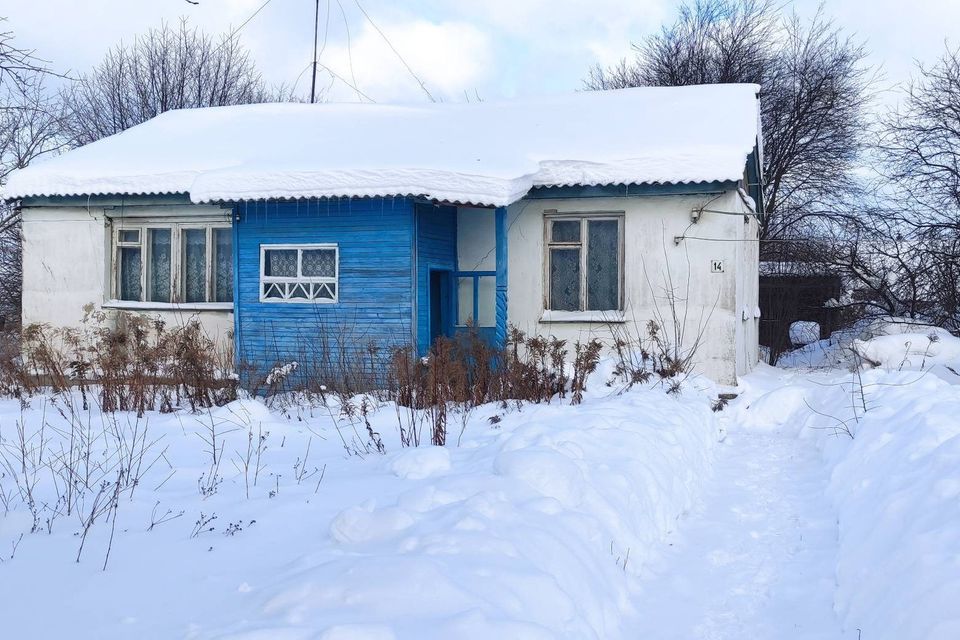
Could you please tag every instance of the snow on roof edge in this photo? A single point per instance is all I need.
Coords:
(440, 196)
(688, 135)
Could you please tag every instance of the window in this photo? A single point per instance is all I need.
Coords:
(299, 272)
(584, 262)
(173, 263)
(476, 299)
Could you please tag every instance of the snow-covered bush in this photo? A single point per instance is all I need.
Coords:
(804, 332)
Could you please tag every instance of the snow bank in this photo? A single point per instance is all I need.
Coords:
(488, 153)
(532, 535)
(888, 343)
(536, 527)
(894, 481)
(897, 489)
(909, 350)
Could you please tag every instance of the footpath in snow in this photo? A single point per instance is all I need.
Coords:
(758, 558)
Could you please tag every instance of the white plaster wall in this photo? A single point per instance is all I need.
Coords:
(748, 295)
(476, 239)
(65, 268)
(709, 304)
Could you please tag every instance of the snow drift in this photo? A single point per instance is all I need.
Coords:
(536, 527)
(489, 153)
(887, 343)
(890, 435)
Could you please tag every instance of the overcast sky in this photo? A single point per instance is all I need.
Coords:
(494, 48)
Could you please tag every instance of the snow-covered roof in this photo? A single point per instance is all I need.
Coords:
(489, 153)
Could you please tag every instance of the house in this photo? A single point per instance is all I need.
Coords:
(279, 225)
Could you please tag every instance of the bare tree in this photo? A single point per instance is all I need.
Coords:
(19, 68)
(29, 127)
(166, 68)
(712, 41)
(921, 144)
(920, 153)
(814, 89)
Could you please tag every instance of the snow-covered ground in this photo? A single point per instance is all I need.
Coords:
(757, 559)
(820, 504)
(888, 429)
(536, 526)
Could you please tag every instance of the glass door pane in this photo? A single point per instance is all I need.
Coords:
(465, 302)
(487, 301)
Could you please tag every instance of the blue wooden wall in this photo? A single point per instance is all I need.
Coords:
(436, 232)
(376, 294)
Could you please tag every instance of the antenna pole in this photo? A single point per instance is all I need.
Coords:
(316, 25)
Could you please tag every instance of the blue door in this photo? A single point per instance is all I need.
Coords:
(441, 304)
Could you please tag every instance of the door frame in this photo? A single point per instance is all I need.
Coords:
(447, 303)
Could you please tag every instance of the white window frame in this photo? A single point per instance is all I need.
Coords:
(300, 278)
(177, 259)
(584, 217)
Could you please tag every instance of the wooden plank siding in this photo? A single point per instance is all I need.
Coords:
(436, 232)
(375, 237)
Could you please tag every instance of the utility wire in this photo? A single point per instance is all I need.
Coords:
(394, 49)
(247, 21)
(677, 239)
(230, 36)
(346, 26)
(326, 33)
(317, 54)
(344, 81)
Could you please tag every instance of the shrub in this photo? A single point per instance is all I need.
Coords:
(135, 364)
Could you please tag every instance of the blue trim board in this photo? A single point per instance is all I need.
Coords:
(237, 336)
(502, 230)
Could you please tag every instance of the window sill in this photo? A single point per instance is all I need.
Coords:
(605, 317)
(130, 305)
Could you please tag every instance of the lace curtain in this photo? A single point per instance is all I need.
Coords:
(160, 265)
(195, 265)
(223, 266)
(130, 273)
(603, 277)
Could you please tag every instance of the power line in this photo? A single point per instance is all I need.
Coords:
(230, 36)
(344, 81)
(346, 26)
(326, 32)
(394, 49)
(317, 54)
(247, 21)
